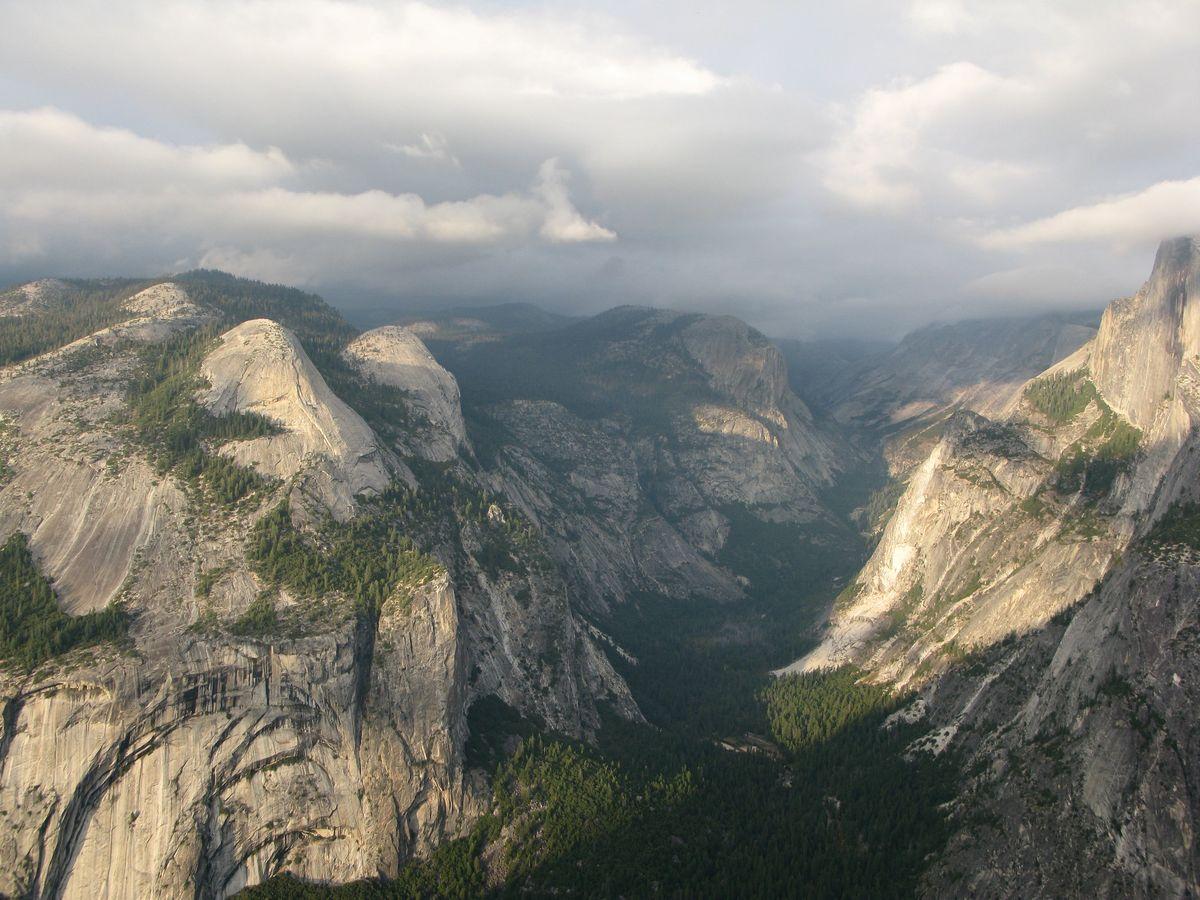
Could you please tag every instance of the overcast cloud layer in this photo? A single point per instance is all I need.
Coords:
(855, 172)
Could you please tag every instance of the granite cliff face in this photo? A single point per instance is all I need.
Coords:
(1079, 743)
(259, 367)
(1147, 344)
(636, 437)
(1008, 521)
(1037, 583)
(897, 399)
(255, 719)
(394, 356)
(310, 562)
(241, 484)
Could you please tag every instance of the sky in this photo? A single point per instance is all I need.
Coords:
(850, 169)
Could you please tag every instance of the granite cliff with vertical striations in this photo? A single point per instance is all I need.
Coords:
(1037, 585)
(257, 715)
(287, 571)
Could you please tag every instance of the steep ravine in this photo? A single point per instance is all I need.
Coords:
(637, 437)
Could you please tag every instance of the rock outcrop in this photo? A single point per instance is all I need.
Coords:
(1032, 587)
(36, 296)
(162, 301)
(394, 356)
(633, 437)
(982, 543)
(1080, 741)
(211, 749)
(272, 709)
(1002, 526)
(259, 367)
(1144, 340)
(581, 481)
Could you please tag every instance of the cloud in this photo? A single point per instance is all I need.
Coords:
(327, 48)
(1034, 285)
(1162, 210)
(429, 146)
(409, 123)
(43, 146)
(1043, 102)
(110, 193)
(379, 90)
(942, 17)
(888, 154)
(262, 264)
(858, 167)
(563, 223)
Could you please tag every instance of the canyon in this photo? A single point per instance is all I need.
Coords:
(312, 571)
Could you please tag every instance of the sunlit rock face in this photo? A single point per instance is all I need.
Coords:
(986, 539)
(162, 301)
(196, 758)
(637, 436)
(1148, 342)
(259, 367)
(394, 356)
(1022, 588)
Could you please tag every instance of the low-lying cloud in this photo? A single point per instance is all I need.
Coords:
(1135, 219)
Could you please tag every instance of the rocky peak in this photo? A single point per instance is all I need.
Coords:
(393, 355)
(32, 297)
(993, 533)
(736, 360)
(251, 720)
(1144, 339)
(740, 362)
(260, 367)
(161, 301)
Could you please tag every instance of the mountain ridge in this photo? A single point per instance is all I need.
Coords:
(266, 682)
(1022, 586)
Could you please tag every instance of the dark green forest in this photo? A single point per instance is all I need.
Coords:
(179, 433)
(1178, 527)
(32, 627)
(816, 799)
(182, 438)
(1108, 449)
(365, 559)
(819, 801)
(570, 366)
(1061, 397)
(650, 812)
(85, 307)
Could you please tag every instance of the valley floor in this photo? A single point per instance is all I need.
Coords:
(740, 786)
